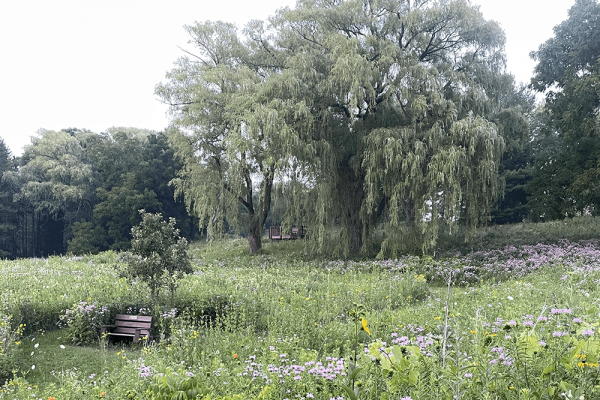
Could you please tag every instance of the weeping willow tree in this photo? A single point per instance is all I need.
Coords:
(366, 108)
(235, 135)
(400, 93)
(432, 180)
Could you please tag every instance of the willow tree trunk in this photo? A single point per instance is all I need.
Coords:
(258, 216)
(355, 229)
(255, 233)
(351, 195)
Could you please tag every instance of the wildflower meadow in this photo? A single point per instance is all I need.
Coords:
(517, 321)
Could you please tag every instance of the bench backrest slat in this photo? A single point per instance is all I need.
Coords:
(138, 318)
(133, 324)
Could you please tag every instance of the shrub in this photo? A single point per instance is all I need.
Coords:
(83, 322)
(158, 255)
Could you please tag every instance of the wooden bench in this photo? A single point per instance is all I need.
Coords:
(298, 232)
(136, 327)
(275, 233)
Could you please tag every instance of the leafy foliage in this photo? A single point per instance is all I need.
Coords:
(568, 71)
(158, 256)
(55, 177)
(370, 107)
(88, 187)
(399, 92)
(292, 328)
(230, 130)
(83, 321)
(8, 209)
(513, 118)
(173, 386)
(133, 168)
(9, 345)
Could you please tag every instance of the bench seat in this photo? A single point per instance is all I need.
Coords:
(137, 327)
(275, 233)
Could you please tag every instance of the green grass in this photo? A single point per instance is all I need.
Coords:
(526, 233)
(54, 363)
(241, 316)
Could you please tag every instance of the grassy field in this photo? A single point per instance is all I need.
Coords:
(509, 320)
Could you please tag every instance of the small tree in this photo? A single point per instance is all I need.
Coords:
(158, 255)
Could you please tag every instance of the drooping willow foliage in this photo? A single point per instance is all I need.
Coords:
(363, 111)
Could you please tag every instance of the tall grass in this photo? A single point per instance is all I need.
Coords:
(283, 325)
(525, 233)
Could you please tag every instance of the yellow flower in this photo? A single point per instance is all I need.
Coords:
(364, 325)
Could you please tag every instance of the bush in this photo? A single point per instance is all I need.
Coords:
(158, 255)
(83, 322)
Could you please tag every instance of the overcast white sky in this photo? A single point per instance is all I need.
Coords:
(94, 63)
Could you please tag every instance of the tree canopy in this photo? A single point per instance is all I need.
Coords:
(55, 177)
(232, 133)
(158, 255)
(339, 115)
(373, 106)
(78, 191)
(568, 72)
(8, 209)
(132, 170)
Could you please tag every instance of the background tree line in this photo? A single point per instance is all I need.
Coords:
(79, 191)
(344, 116)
